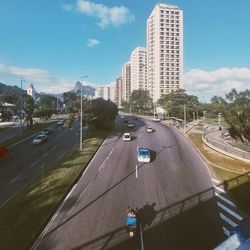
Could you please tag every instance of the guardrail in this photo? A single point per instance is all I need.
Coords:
(226, 149)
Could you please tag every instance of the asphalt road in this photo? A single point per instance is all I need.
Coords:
(178, 208)
(26, 161)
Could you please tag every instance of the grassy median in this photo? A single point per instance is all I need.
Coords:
(25, 215)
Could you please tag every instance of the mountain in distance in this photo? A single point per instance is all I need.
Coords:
(5, 89)
(86, 89)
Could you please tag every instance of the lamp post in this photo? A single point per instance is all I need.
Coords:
(204, 116)
(82, 77)
(21, 106)
(219, 118)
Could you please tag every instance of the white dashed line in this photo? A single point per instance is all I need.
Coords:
(215, 181)
(220, 189)
(226, 232)
(32, 165)
(136, 171)
(15, 179)
(105, 160)
(225, 199)
(230, 222)
(45, 155)
(229, 211)
(54, 148)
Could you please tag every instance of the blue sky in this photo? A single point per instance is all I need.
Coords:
(53, 42)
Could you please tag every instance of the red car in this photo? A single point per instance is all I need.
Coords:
(3, 151)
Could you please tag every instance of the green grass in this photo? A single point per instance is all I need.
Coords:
(224, 174)
(25, 215)
(214, 121)
(218, 159)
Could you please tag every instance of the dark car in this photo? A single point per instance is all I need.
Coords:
(3, 151)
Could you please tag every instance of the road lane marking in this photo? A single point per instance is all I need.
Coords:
(230, 222)
(229, 211)
(32, 165)
(54, 147)
(45, 155)
(39, 239)
(84, 191)
(220, 189)
(137, 147)
(225, 199)
(141, 237)
(105, 160)
(215, 181)
(136, 171)
(15, 179)
(226, 231)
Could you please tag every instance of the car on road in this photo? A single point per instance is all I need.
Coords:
(39, 139)
(155, 119)
(127, 137)
(47, 131)
(149, 130)
(60, 122)
(122, 117)
(3, 151)
(143, 155)
(130, 125)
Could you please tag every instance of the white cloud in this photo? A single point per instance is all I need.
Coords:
(115, 16)
(216, 82)
(67, 7)
(92, 42)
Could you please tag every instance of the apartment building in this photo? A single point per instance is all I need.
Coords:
(103, 92)
(165, 50)
(118, 91)
(139, 69)
(126, 81)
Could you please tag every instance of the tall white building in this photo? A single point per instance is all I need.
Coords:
(103, 92)
(165, 50)
(118, 91)
(126, 81)
(139, 69)
(31, 91)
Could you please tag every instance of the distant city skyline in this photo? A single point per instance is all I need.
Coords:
(53, 43)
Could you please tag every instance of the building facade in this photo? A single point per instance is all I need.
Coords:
(165, 50)
(126, 81)
(139, 69)
(103, 92)
(31, 91)
(118, 91)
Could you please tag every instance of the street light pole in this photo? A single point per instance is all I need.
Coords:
(219, 117)
(82, 77)
(21, 103)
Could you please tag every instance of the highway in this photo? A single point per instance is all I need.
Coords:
(175, 195)
(26, 161)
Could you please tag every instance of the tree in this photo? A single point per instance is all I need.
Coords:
(140, 100)
(28, 106)
(47, 102)
(237, 114)
(174, 103)
(100, 113)
(73, 102)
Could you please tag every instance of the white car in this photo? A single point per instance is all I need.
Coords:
(130, 125)
(126, 137)
(155, 119)
(39, 139)
(150, 130)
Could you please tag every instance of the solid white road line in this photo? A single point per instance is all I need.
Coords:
(230, 222)
(220, 189)
(215, 181)
(54, 147)
(225, 199)
(105, 160)
(136, 171)
(229, 211)
(226, 232)
(15, 179)
(137, 148)
(38, 241)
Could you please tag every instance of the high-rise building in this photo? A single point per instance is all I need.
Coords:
(118, 91)
(165, 50)
(126, 81)
(139, 69)
(31, 91)
(103, 92)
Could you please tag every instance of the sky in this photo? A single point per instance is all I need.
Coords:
(52, 43)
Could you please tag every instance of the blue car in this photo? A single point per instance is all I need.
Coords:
(143, 155)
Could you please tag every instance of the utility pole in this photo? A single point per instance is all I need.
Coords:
(21, 106)
(185, 118)
(82, 77)
(219, 118)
